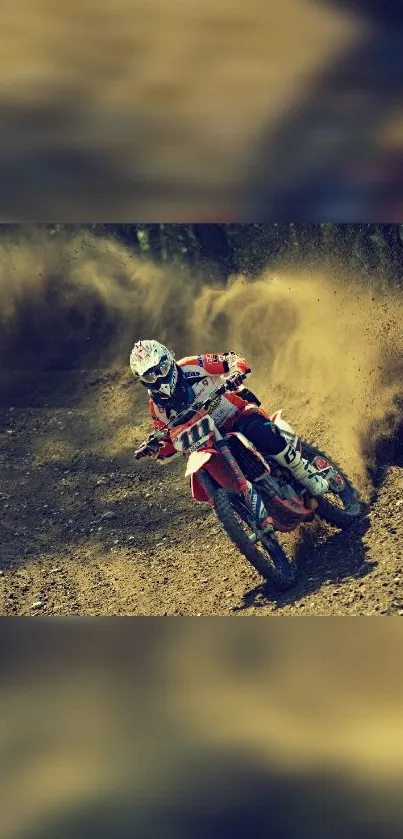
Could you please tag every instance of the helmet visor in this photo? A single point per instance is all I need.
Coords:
(151, 376)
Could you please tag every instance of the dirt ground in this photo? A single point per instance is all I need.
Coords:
(87, 531)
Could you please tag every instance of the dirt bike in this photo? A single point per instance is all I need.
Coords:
(253, 497)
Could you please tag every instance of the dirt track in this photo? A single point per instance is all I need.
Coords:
(66, 461)
(327, 349)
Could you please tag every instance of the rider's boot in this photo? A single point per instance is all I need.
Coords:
(303, 471)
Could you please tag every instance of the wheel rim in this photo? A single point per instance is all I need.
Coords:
(243, 514)
(343, 500)
(279, 562)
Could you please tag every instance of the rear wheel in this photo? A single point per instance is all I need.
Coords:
(338, 508)
(238, 523)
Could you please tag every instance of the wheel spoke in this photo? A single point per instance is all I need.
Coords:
(268, 556)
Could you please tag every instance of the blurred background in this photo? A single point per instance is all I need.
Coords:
(205, 112)
(206, 729)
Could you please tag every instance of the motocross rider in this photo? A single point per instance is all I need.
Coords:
(172, 386)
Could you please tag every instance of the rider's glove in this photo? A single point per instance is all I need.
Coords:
(143, 452)
(234, 381)
(148, 450)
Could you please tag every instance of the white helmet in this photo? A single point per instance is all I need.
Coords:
(155, 366)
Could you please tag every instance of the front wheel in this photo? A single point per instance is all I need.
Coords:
(237, 522)
(338, 508)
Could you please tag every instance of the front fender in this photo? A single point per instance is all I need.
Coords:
(217, 468)
(196, 461)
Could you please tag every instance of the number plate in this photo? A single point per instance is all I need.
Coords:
(193, 436)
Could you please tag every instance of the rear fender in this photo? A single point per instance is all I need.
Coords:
(284, 426)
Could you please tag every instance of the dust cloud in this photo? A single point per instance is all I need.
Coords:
(328, 349)
(331, 349)
(68, 301)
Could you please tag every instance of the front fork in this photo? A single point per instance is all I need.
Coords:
(251, 496)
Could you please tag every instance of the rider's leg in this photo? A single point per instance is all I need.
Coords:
(269, 440)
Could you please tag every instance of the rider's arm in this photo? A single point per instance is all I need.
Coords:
(166, 447)
(221, 363)
(229, 363)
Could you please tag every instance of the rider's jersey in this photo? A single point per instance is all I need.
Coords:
(203, 373)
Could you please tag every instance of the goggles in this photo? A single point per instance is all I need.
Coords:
(159, 373)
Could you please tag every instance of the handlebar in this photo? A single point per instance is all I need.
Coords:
(150, 446)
